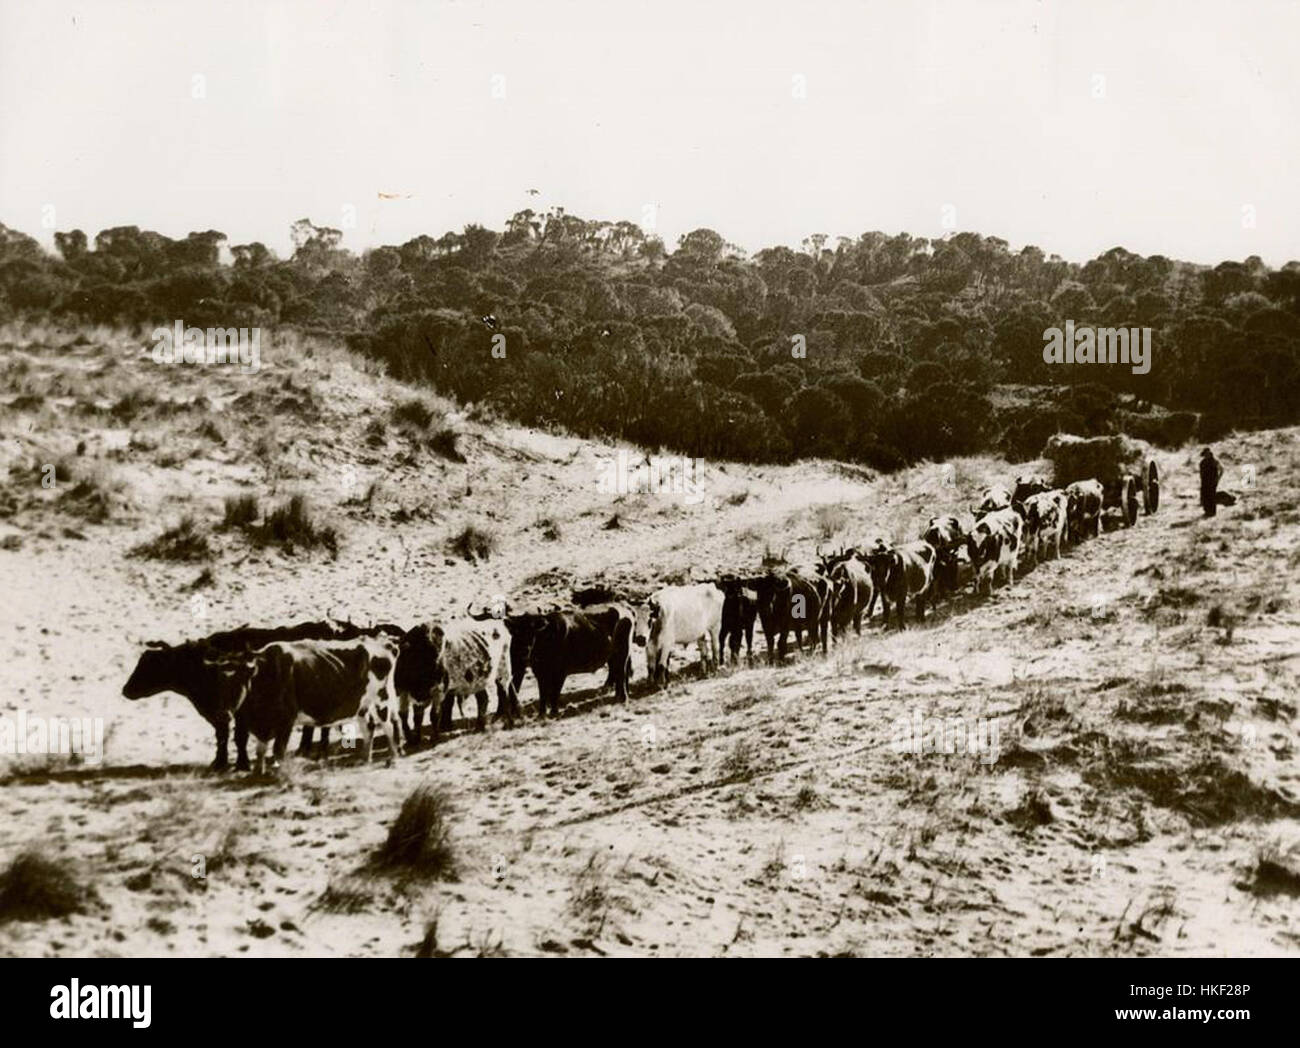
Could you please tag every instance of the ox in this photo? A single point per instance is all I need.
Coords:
(899, 572)
(212, 681)
(1045, 520)
(683, 615)
(438, 663)
(792, 601)
(201, 671)
(555, 644)
(947, 535)
(323, 681)
(995, 543)
(739, 610)
(1084, 508)
(852, 592)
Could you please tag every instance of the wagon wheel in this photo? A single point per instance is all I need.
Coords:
(1151, 487)
(1131, 501)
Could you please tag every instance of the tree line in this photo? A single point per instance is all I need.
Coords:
(880, 349)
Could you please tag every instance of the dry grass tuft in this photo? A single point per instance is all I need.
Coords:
(34, 888)
(182, 543)
(419, 841)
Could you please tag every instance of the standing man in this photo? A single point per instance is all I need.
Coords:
(1211, 471)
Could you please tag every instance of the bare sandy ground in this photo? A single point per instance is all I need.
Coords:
(1143, 799)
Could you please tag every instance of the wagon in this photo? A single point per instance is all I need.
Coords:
(1123, 466)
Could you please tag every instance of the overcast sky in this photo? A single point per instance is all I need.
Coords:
(1075, 126)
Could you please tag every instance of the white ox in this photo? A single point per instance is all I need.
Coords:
(1046, 516)
(994, 545)
(683, 615)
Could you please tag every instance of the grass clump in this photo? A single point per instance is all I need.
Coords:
(419, 841)
(182, 543)
(473, 544)
(34, 888)
(291, 526)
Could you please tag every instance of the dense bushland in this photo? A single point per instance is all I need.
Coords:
(881, 349)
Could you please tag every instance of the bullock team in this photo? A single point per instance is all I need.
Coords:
(384, 678)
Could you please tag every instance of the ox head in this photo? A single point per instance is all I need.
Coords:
(981, 546)
(827, 562)
(880, 561)
(656, 652)
(527, 630)
(1028, 484)
(648, 631)
(994, 498)
(843, 596)
(645, 615)
(497, 607)
(420, 673)
(944, 534)
(162, 667)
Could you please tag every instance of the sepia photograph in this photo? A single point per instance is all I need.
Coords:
(578, 479)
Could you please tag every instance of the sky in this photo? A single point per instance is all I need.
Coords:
(1165, 127)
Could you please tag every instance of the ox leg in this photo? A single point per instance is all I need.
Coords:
(482, 699)
(619, 677)
(507, 703)
(282, 743)
(261, 756)
(304, 747)
(222, 728)
(369, 721)
(324, 748)
(414, 731)
(444, 717)
(436, 718)
(241, 745)
(545, 684)
(393, 730)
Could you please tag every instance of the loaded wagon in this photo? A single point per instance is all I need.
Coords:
(1123, 465)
